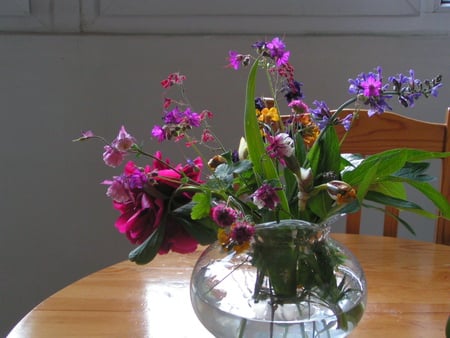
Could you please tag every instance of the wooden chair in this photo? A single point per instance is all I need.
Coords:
(390, 130)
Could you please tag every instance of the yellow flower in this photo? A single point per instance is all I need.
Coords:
(268, 115)
(239, 248)
(223, 237)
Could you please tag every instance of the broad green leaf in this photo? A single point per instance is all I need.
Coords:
(202, 205)
(388, 187)
(145, 252)
(320, 205)
(415, 171)
(390, 162)
(204, 230)
(369, 178)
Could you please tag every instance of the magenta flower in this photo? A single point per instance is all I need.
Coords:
(224, 216)
(158, 133)
(280, 146)
(234, 59)
(277, 50)
(372, 86)
(142, 194)
(266, 197)
(177, 239)
(242, 231)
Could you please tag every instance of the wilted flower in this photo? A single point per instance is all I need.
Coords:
(223, 215)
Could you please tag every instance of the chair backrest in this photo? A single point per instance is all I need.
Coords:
(390, 130)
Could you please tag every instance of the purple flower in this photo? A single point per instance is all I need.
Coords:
(369, 88)
(191, 119)
(266, 197)
(347, 122)
(292, 90)
(173, 116)
(322, 115)
(277, 50)
(224, 216)
(280, 146)
(410, 89)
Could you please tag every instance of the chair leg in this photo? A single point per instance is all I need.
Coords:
(353, 223)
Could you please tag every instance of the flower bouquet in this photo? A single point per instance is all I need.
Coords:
(267, 204)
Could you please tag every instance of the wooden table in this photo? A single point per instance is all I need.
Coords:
(408, 281)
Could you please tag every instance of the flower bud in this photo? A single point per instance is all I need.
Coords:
(216, 161)
(242, 150)
(341, 192)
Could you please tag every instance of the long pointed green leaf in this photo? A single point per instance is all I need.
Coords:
(399, 219)
(263, 166)
(398, 203)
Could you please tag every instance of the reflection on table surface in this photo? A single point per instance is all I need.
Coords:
(408, 296)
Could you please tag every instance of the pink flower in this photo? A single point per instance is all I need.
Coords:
(280, 146)
(112, 156)
(167, 102)
(123, 141)
(207, 136)
(298, 106)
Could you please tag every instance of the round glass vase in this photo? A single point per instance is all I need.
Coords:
(294, 281)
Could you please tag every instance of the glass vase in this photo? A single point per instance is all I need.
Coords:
(294, 281)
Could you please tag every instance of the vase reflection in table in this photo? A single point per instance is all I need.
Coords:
(295, 282)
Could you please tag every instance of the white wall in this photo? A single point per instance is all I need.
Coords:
(57, 225)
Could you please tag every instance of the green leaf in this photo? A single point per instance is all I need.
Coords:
(398, 203)
(390, 162)
(262, 165)
(433, 195)
(204, 230)
(415, 171)
(145, 252)
(202, 205)
(324, 155)
(388, 187)
(369, 178)
(399, 219)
